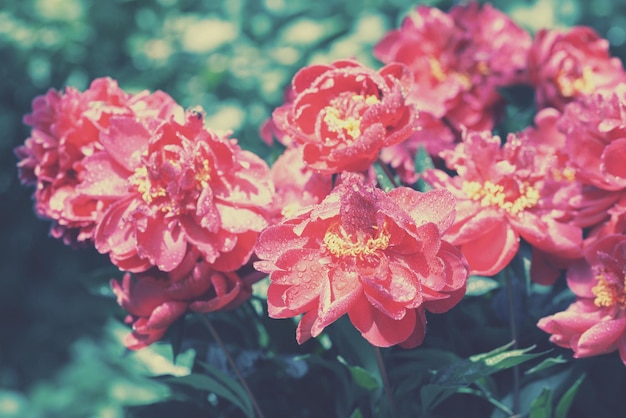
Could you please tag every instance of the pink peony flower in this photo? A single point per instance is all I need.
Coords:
(458, 60)
(595, 128)
(343, 114)
(564, 66)
(504, 193)
(155, 299)
(375, 256)
(595, 323)
(67, 128)
(180, 188)
(296, 185)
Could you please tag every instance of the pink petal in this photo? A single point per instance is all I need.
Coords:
(613, 158)
(125, 140)
(163, 243)
(601, 338)
(379, 329)
(434, 206)
(102, 177)
(492, 250)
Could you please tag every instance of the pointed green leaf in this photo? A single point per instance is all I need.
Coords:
(542, 406)
(566, 400)
(465, 372)
(231, 384)
(433, 394)
(361, 376)
(546, 363)
(383, 180)
(356, 414)
(210, 384)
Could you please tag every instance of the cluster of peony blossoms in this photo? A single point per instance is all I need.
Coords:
(186, 213)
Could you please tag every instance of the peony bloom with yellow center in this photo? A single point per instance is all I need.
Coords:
(178, 189)
(67, 127)
(344, 113)
(565, 66)
(377, 257)
(458, 60)
(508, 192)
(595, 323)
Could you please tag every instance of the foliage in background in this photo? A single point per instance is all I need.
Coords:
(59, 354)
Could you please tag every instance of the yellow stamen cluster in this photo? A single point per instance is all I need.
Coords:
(608, 294)
(351, 125)
(335, 123)
(203, 175)
(492, 194)
(567, 173)
(144, 185)
(437, 71)
(342, 244)
(583, 84)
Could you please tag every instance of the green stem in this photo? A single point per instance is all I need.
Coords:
(386, 385)
(516, 371)
(232, 363)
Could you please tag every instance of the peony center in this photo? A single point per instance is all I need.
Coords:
(342, 244)
(176, 182)
(608, 294)
(493, 194)
(203, 175)
(145, 188)
(569, 86)
(440, 75)
(347, 123)
(566, 174)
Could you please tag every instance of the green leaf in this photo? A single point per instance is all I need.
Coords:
(361, 376)
(357, 413)
(232, 384)
(546, 363)
(383, 180)
(433, 394)
(542, 406)
(422, 163)
(213, 385)
(566, 400)
(422, 160)
(460, 374)
(480, 285)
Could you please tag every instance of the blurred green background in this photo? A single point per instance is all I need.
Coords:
(60, 344)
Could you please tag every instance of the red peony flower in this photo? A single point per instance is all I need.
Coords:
(504, 193)
(155, 299)
(375, 256)
(564, 66)
(595, 323)
(180, 188)
(343, 114)
(67, 128)
(458, 60)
